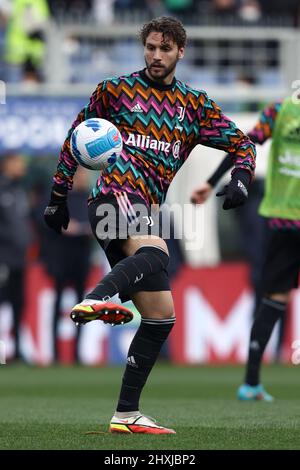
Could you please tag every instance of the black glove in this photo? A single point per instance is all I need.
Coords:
(56, 214)
(236, 191)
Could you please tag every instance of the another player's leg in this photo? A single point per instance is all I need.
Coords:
(280, 275)
(272, 308)
(157, 321)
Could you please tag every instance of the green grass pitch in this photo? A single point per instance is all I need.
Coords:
(54, 408)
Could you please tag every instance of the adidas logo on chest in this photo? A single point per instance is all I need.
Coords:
(137, 108)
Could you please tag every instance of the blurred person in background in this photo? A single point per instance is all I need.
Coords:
(281, 206)
(15, 237)
(175, 118)
(250, 12)
(67, 258)
(25, 41)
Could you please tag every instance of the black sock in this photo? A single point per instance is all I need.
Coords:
(142, 356)
(125, 274)
(267, 315)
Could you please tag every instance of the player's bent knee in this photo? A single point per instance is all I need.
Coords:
(132, 245)
(155, 251)
(162, 311)
(159, 315)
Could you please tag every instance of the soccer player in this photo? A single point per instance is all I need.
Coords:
(281, 205)
(161, 120)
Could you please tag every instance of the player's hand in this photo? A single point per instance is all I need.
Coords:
(201, 194)
(56, 214)
(236, 191)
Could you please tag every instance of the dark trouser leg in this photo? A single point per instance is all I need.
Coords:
(79, 290)
(56, 316)
(268, 314)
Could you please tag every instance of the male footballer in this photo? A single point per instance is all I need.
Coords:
(161, 120)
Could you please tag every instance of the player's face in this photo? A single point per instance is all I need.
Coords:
(161, 56)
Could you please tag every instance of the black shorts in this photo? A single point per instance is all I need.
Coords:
(282, 264)
(116, 217)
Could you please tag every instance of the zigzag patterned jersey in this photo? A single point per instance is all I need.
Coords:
(160, 125)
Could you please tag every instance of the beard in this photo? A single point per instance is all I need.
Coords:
(160, 73)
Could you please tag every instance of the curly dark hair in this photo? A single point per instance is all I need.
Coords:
(171, 28)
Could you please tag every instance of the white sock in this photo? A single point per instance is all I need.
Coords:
(127, 414)
(91, 301)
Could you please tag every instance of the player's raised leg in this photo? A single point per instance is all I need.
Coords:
(107, 311)
(145, 257)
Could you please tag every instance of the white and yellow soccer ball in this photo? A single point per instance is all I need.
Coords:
(96, 143)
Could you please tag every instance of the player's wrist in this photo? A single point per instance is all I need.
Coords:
(224, 166)
(243, 175)
(58, 194)
(212, 181)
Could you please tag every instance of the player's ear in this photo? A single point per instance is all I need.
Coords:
(180, 53)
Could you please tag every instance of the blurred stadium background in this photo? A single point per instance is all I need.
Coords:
(245, 54)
